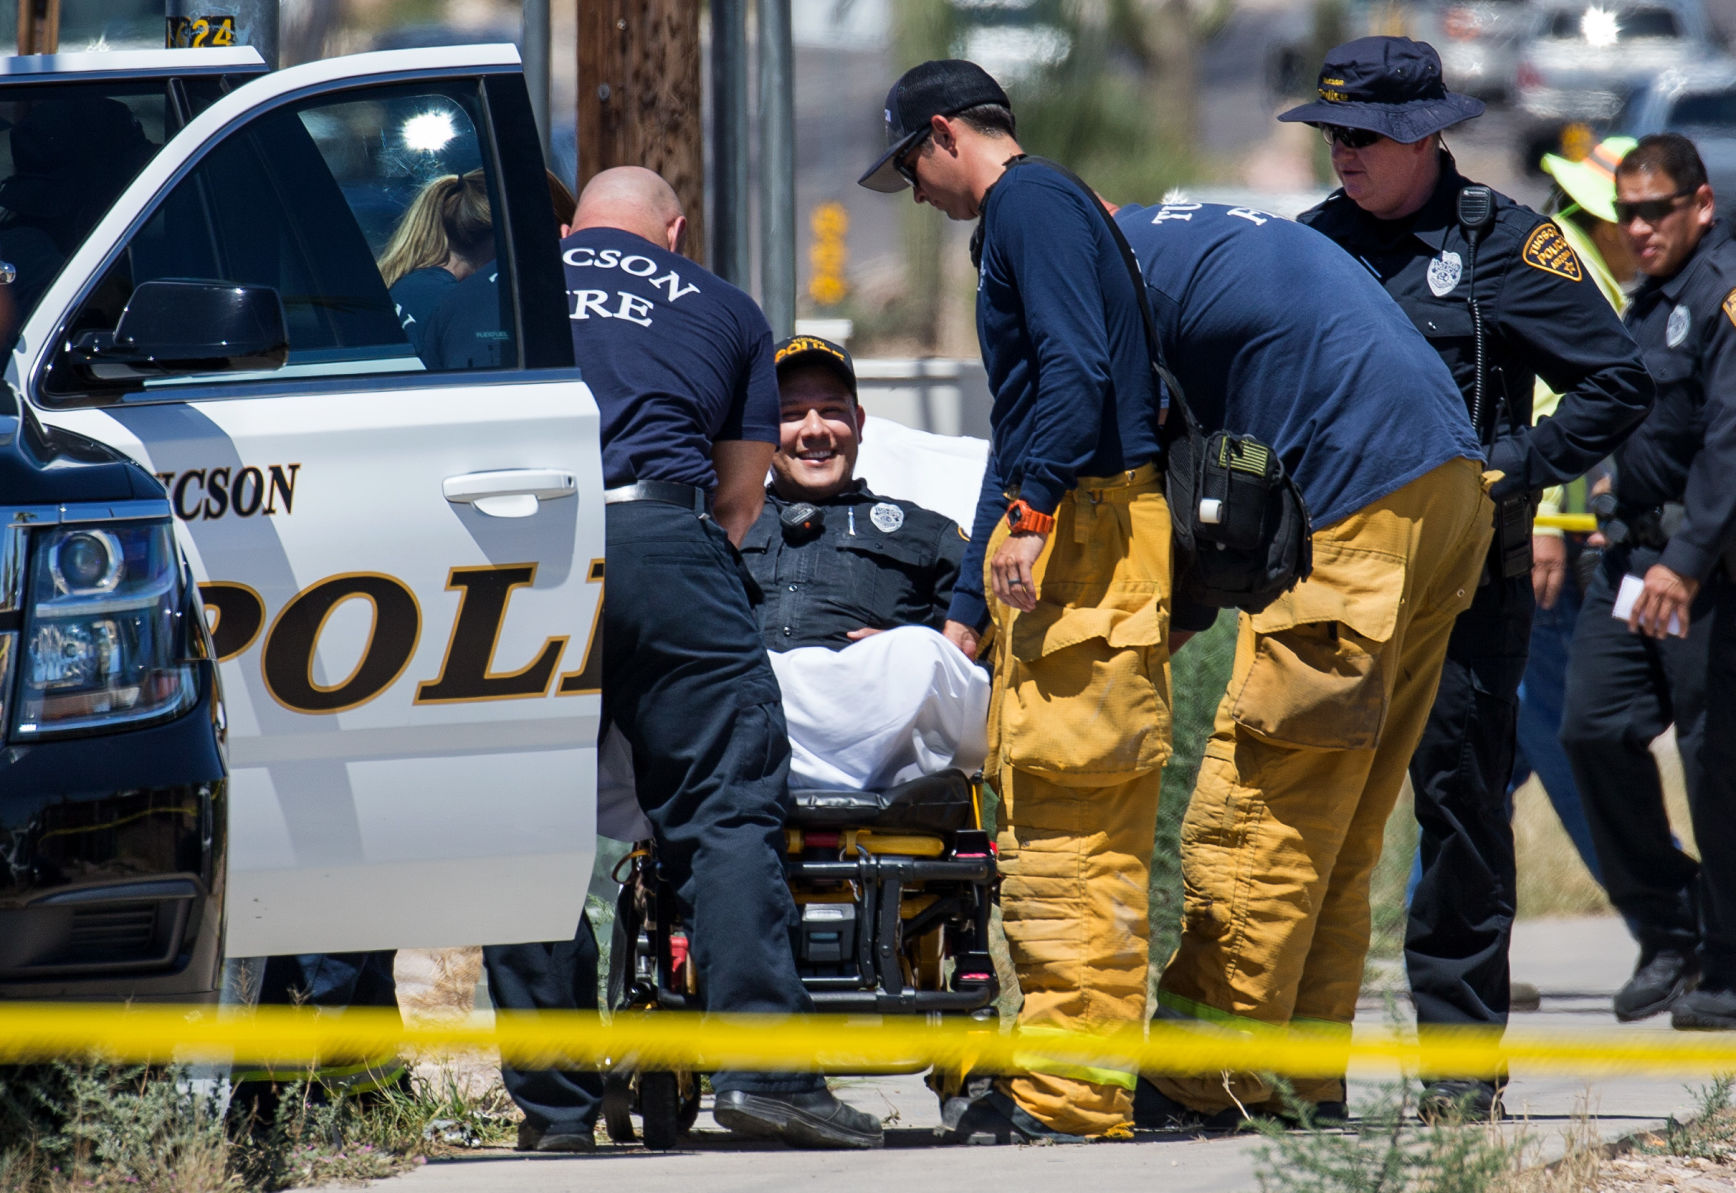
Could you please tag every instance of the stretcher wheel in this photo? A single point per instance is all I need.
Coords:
(618, 1107)
(689, 1100)
(660, 1110)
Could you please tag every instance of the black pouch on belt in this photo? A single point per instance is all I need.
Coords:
(1512, 545)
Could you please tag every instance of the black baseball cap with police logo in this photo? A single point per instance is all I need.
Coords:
(813, 350)
(1387, 85)
(943, 87)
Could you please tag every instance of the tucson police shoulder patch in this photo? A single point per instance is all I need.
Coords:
(1548, 250)
(1730, 306)
(886, 517)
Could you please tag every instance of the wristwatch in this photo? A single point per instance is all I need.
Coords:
(1020, 516)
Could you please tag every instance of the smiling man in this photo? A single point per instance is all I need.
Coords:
(1503, 301)
(1629, 679)
(855, 592)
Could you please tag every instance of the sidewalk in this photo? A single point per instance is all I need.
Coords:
(1577, 964)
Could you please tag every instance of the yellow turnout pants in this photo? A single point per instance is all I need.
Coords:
(1078, 735)
(1327, 699)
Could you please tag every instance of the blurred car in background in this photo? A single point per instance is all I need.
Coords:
(1479, 42)
(1583, 61)
(1700, 103)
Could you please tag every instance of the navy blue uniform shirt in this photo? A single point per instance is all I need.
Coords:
(1686, 449)
(415, 296)
(1542, 314)
(873, 561)
(1065, 351)
(467, 329)
(677, 358)
(1354, 401)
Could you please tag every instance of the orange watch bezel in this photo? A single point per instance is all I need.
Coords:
(1028, 519)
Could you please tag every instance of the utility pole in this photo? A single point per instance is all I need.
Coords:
(777, 167)
(38, 26)
(729, 140)
(639, 97)
(536, 67)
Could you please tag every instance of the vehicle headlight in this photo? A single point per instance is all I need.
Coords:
(102, 630)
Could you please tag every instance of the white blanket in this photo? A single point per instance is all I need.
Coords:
(890, 707)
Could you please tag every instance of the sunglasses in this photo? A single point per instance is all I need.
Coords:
(904, 163)
(1649, 210)
(1350, 138)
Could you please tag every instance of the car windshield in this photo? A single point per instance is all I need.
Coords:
(1708, 109)
(1605, 26)
(66, 154)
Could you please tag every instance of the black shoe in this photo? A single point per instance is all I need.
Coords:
(1460, 1101)
(994, 1118)
(815, 1119)
(1154, 1110)
(1705, 1010)
(1657, 983)
(560, 1139)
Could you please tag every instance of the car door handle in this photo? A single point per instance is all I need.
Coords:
(510, 492)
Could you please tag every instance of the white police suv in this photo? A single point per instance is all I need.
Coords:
(401, 565)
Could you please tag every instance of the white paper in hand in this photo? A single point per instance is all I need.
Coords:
(1628, 593)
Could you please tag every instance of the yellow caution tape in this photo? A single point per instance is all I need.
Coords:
(830, 1043)
(1571, 523)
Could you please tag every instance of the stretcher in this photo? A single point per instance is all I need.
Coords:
(893, 890)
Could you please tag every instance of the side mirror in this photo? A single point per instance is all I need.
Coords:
(172, 327)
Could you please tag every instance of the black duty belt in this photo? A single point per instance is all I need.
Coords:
(690, 497)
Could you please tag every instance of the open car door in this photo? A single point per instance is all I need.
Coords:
(400, 551)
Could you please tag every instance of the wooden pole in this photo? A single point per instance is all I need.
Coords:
(639, 97)
(38, 26)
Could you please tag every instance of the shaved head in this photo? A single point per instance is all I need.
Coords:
(634, 200)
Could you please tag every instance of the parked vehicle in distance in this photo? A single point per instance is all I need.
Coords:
(113, 789)
(1700, 103)
(1478, 40)
(1582, 62)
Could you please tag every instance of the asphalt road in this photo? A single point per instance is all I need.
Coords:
(1577, 964)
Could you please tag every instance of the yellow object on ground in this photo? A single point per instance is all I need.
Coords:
(1079, 725)
(1327, 697)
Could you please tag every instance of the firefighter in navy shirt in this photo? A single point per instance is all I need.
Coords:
(1518, 290)
(1075, 533)
(680, 364)
(1332, 683)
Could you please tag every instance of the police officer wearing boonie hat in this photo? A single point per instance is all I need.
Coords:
(1502, 304)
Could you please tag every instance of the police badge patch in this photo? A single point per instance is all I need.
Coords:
(1548, 250)
(1444, 273)
(886, 517)
(1730, 306)
(1676, 330)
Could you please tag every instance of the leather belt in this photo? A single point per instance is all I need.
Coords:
(690, 497)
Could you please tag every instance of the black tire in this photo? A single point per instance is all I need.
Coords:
(618, 1107)
(659, 1110)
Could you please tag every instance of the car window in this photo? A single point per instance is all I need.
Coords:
(1710, 109)
(65, 155)
(314, 200)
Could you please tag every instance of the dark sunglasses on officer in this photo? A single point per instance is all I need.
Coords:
(1649, 210)
(905, 163)
(1350, 138)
